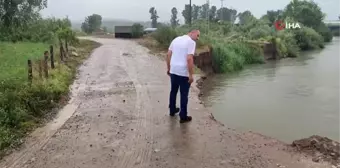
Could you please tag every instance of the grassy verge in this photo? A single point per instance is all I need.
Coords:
(14, 58)
(24, 107)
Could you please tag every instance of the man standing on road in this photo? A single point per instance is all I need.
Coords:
(180, 64)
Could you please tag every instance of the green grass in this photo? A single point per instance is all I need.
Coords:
(24, 107)
(14, 58)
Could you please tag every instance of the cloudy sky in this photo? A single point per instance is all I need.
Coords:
(137, 10)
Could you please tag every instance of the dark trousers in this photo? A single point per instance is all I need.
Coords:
(183, 84)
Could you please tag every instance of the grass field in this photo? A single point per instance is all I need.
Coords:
(24, 107)
(14, 56)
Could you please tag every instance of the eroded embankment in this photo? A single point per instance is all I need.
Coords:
(321, 148)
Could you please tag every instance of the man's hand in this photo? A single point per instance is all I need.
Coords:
(168, 72)
(191, 79)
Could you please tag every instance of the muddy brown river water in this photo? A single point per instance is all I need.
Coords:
(287, 99)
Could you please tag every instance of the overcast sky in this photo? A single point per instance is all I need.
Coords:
(138, 10)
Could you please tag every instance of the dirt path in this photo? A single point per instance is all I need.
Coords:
(118, 118)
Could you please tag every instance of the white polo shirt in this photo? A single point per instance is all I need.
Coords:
(181, 47)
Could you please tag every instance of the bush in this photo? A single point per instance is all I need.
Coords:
(21, 108)
(307, 38)
(229, 57)
(164, 35)
(38, 30)
(286, 44)
(137, 30)
(325, 32)
(261, 31)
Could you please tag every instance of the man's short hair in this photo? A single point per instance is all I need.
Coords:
(193, 30)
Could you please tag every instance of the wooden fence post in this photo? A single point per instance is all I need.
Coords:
(52, 56)
(30, 69)
(46, 66)
(66, 47)
(61, 53)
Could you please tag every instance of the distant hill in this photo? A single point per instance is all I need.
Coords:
(111, 23)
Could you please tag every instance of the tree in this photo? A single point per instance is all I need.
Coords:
(306, 12)
(186, 14)
(153, 17)
(85, 26)
(137, 30)
(92, 23)
(212, 13)
(204, 12)
(174, 21)
(246, 17)
(227, 14)
(17, 13)
(274, 15)
(195, 12)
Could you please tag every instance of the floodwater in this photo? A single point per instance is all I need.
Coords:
(288, 99)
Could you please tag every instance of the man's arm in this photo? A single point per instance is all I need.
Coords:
(190, 58)
(168, 57)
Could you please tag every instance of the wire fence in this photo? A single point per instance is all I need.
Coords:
(46, 63)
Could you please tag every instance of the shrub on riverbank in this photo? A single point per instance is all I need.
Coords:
(234, 56)
(307, 39)
(164, 35)
(23, 107)
(286, 44)
(325, 32)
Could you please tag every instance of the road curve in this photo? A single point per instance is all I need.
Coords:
(118, 118)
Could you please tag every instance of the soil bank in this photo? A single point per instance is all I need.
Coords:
(118, 118)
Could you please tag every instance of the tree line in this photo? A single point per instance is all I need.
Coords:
(21, 21)
(307, 13)
(199, 12)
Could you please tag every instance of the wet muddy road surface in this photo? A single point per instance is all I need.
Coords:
(118, 118)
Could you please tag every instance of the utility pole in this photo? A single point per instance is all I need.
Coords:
(208, 13)
(190, 13)
(222, 10)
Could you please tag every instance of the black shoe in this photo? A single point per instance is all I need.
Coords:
(173, 113)
(188, 119)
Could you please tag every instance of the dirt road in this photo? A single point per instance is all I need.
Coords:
(118, 118)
